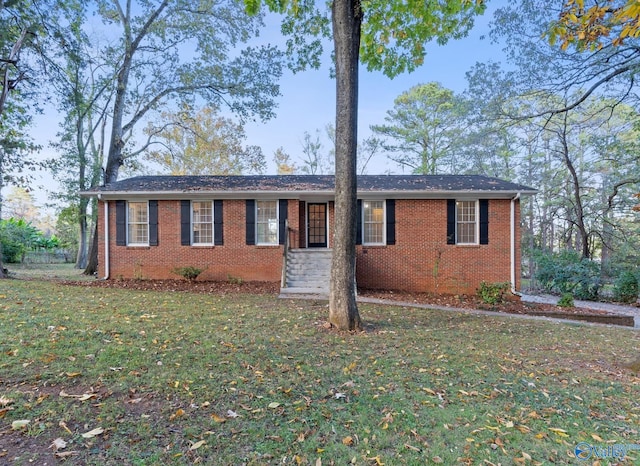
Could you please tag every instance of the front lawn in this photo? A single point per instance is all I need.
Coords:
(178, 378)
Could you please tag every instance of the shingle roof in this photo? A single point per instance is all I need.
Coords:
(308, 184)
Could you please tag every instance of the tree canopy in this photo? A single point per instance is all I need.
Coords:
(596, 24)
(195, 142)
(423, 128)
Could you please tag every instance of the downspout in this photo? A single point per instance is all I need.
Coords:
(106, 238)
(513, 245)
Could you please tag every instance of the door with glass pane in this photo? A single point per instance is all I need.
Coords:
(317, 225)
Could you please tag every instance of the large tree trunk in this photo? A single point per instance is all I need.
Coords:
(81, 258)
(343, 310)
(92, 263)
(116, 144)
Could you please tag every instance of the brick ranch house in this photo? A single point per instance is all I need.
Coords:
(434, 233)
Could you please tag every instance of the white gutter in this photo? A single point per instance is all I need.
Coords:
(513, 245)
(106, 238)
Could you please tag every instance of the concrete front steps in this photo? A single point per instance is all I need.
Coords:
(307, 273)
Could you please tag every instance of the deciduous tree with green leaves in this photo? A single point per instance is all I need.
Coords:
(386, 35)
(22, 23)
(172, 52)
(83, 92)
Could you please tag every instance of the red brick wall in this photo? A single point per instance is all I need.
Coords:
(233, 259)
(419, 261)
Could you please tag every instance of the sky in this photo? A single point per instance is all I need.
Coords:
(308, 98)
(307, 101)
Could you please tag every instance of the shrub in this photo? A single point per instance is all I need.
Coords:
(493, 293)
(234, 280)
(566, 300)
(189, 273)
(625, 288)
(567, 272)
(17, 237)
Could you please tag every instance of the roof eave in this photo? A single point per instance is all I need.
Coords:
(250, 194)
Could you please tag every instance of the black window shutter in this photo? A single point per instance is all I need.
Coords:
(218, 228)
(391, 221)
(121, 223)
(451, 221)
(359, 222)
(251, 221)
(484, 221)
(185, 223)
(283, 211)
(153, 223)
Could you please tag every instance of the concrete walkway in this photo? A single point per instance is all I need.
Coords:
(609, 307)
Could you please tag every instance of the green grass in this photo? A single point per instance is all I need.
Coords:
(417, 387)
(54, 271)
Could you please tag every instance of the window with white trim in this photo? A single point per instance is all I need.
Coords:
(138, 223)
(373, 222)
(467, 222)
(202, 222)
(267, 222)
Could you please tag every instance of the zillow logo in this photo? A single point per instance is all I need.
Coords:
(585, 451)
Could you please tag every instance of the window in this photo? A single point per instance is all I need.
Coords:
(138, 223)
(267, 222)
(467, 222)
(373, 222)
(202, 222)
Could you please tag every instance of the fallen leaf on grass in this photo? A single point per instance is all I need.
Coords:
(4, 411)
(560, 432)
(64, 426)
(597, 438)
(65, 454)
(21, 424)
(274, 405)
(197, 445)
(58, 444)
(348, 441)
(93, 433)
(5, 401)
(83, 397)
(178, 413)
(377, 460)
(73, 374)
(217, 418)
(232, 414)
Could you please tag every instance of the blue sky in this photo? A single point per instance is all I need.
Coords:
(307, 102)
(308, 98)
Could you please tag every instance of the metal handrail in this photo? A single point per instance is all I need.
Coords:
(283, 278)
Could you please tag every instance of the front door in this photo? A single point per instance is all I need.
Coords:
(317, 225)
